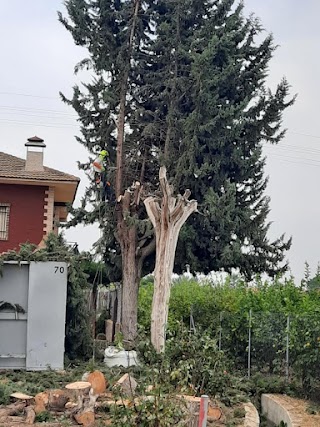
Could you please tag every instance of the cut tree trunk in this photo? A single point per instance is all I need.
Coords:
(167, 216)
(127, 238)
(129, 309)
(193, 408)
(133, 251)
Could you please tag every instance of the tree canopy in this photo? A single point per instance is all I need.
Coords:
(209, 89)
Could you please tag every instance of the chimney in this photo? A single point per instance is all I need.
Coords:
(34, 160)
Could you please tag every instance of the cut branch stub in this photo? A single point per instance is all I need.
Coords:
(173, 209)
(153, 210)
(131, 196)
(187, 194)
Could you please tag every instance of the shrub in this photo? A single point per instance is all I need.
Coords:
(4, 394)
(160, 410)
(145, 302)
(191, 363)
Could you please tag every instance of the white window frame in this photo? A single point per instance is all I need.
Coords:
(4, 221)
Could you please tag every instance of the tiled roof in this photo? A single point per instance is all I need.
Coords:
(14, 167)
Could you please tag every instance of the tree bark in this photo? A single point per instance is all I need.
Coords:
(122, 103)
(167, 219)
(132, 260)
(126, 232)
(130, 286)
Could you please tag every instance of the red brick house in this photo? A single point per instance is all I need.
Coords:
(33, 197)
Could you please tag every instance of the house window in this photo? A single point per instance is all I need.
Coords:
(4, 221)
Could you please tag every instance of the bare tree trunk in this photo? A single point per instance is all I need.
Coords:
(130, 286)
(132, 260)
(167, 220)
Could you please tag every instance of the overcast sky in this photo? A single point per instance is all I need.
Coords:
(37, 61)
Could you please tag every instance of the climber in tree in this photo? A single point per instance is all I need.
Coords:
(99, 167)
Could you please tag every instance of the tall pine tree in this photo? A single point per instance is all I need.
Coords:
(180, 83)
(215, 114)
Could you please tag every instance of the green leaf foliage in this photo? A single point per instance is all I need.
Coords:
(192, 363)
(222, 311)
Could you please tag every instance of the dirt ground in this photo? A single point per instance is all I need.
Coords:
(102, 420)
(19, 421)
(296, 407)
(298, 411)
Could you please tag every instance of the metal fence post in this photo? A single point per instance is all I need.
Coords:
(192, 325)
(220, 331)
(287, 348)
(203, 413)
(249, 344)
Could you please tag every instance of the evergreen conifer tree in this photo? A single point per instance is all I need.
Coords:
(113, 32)
(216, 114)
(180, 83)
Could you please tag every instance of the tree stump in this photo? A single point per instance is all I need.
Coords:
(127, 385)
(79, 388)
(193, 410)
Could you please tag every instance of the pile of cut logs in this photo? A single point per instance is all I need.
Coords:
(78, 400)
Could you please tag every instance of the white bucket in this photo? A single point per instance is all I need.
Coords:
(116, 357)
